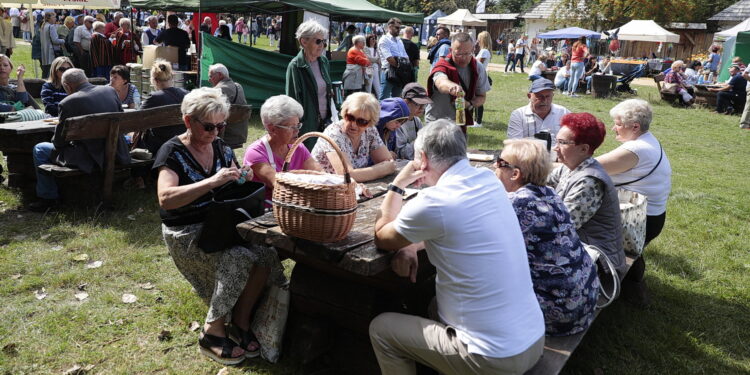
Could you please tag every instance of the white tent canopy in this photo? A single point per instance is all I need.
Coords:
(742, 26)
(645, 31)
(461, 17)
(66, 4)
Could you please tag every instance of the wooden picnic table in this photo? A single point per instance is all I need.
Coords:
(338, 288)
(17, 141)
(703, 96)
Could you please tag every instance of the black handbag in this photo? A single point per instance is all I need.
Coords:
(402, 73)
(231, 204)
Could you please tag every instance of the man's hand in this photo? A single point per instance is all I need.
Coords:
(406, 262)
(408, 175)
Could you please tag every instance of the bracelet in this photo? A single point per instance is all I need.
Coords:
(396, 189)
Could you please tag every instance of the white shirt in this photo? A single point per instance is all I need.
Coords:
(657, 185)
(483, 283)
(520, 44)
(536, 68)
(511, 47)
(82, 35)
(525, 123)
(144, 36)
(390, 46)
(560, 76)
(486, 55)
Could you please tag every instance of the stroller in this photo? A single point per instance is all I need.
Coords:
(624, 81)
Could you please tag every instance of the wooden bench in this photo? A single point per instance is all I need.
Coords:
(111, 126)
(558, 349)
(665, 96)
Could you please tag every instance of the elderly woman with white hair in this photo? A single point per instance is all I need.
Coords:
(565, 280)
(230, 281)
(127, 45)
(308, 80)
(641, 165)
(280, 116)
(675, 81)
(356, 74)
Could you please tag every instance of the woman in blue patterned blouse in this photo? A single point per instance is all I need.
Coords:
(565, 279)
(53, 91)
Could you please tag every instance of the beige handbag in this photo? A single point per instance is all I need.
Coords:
(633, 213)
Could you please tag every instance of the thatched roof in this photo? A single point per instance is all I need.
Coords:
(738, 12)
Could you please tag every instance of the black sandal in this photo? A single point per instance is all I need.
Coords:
(206, 342)
(245, 338)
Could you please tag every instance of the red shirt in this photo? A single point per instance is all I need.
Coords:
(355, 56)
(579, 53)
(110, 28)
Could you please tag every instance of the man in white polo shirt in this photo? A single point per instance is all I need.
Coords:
(540, 114)
(489, 320)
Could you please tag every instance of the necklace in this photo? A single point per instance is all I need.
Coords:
(200, 158)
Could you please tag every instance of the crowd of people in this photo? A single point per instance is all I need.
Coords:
(499, 290)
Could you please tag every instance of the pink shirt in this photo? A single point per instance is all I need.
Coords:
(256, 153)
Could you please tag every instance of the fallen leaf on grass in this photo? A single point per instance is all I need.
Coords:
(15, 276)
(57, 248)
(81, 296)
(131, 217)
(78, 370)
(19, 216)
(81, 257)
(10, 349)
(96, 264)
(146, 286)
(140, 210)
(223, 371)
(129, 298)
(194, 326)
(45, 236)
(40, 294)
(165, 335)
(83, 286)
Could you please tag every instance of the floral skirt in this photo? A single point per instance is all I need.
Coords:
(218, 278)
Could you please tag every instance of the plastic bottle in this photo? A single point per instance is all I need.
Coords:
(711, 77)
(460, 107)
(700, 79)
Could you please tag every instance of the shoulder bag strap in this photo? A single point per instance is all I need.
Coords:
(661, 156)
(269, 152)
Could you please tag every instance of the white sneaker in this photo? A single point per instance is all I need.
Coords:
(566, 93)
(476, 125)
(573, 95)
(588, 92)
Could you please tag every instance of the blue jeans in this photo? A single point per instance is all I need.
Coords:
(588, 82)
(388, 89)
(519, 60)
(27, 36)
(510, 59)
(576, 72)
(534, 77)
(563, 86)
(46, 187)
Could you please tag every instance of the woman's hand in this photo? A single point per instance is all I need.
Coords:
(389, 166)
(248, 171)
(20, 71)
(225, 175)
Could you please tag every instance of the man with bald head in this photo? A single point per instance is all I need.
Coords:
(412, 49)
(87, 155)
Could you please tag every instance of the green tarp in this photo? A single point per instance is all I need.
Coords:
(348, 10)
(733, 47)
(261, 73)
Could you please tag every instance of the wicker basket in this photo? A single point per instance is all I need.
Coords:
(315, 212)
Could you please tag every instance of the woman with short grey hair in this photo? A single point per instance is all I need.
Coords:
(357, 65)
(308, 80)
(230, 281)
(281, 117)
(641, 165)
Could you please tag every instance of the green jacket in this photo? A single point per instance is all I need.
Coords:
(300, 85)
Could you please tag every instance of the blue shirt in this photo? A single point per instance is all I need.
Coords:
(444, 50)
(713, 61)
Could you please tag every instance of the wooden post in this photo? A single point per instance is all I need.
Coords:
(110, 149)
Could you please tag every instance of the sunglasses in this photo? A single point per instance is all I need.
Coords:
(291, 127)
(318, 41)
(209, 127)
(504, 164)
(360, 121)
(62, 69)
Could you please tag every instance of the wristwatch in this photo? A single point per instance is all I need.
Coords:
(396, 189)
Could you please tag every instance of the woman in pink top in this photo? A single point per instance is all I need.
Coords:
(281, 117)
(579, 51)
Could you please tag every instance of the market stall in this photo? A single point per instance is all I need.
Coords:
(464, 19)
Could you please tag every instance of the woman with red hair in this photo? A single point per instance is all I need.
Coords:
(586, 188)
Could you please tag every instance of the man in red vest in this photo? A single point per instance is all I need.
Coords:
(458, 73)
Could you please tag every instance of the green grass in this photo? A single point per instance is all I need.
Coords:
(697, 269)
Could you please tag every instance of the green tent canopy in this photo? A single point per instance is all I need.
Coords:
(734, 46)
(349, 10)
(261, 73)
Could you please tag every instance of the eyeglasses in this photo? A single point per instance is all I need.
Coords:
(290, 127)
(209, 127)
(360, 121)
(62, 69)
(504, 164)
(401, 120)
(463, 54)
(318, 41)
(564, 142)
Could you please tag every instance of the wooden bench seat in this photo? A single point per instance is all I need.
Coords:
(558, 349)
(111, 126)
(665, 96)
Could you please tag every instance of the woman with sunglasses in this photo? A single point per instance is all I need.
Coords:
(565, 280)
(307, 78)
(53, 91)
(366, 155)
(230, 281)
(280, 116)
(586, 188)
(394, 112)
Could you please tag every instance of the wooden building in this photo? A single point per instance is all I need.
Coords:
(694, 39)
(732, 15)
(499, 24)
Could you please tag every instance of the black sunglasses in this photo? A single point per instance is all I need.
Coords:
(62, 69)
(359, 121)
(209, 127)
(318, 41)
(501, 163)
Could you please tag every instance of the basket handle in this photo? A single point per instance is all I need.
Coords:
(288, 158)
